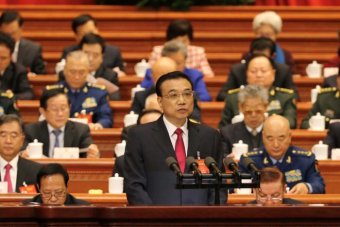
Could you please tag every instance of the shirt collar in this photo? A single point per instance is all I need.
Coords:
(13, 162)
(50, 128)
(172, 128)
(258, 129)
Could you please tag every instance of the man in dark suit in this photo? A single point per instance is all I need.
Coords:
(14, 169)
(84, 24)
(333, 137)
(238, 72)
(25, 52)
(54, 106)
(13, 76)
(149, 181)
(253, 103)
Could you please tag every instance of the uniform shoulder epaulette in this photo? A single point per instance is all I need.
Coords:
(253, 153)
(194, 121)
(284, 90)
(302, 153)
(8, 94)
(55, 86)
(233, 91)
(327, 89)
(101, 87)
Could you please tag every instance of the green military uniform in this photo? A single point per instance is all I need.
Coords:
(7, 103)
(281, 102)
(327, 104)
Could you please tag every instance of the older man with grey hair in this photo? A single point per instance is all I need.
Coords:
(253, 102)
(177, 51)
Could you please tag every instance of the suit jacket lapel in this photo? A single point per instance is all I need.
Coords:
(193, 139)
(20, 174)
(45, 136)
(21, 51)
(69, 128)
(162, 138)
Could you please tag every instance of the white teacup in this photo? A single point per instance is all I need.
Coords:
(317, 122)
(244, 191)
(35, 149)
(314, 93)
(130, 119)
(120, 148)
(116, 184)
(141, 67)
(239, 149)
(335, 154)
(3, 187)
(314, 70)
(321, 151)
(237, 118)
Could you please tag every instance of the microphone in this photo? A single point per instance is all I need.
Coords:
(250, 164)
(211, 163)
(172, 163)
(191, 162)
(230, 164)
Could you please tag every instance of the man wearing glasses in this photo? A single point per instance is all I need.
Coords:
(272, 189)
(52, 180)
(149, 181)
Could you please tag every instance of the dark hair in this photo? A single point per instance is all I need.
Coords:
(272, 174)
(7, 41)
(81, 20)
(93, 39)
(179, 27)
(9, 16)
(170, 76)
(253, 56)
(52, 169)
(261, 44)
(9, 118)
(50, 93)
(146, 112)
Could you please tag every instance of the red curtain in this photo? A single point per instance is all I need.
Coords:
(298, 2)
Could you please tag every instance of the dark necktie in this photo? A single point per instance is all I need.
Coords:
(56, 133)
(7, 177)
(180, 150)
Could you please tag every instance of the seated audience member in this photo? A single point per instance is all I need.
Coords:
(52, 182)
(162, 66)
(56, 130)
(94, 45)
(8, 103)
(272, 189)
(26, 52)
(176, 50)
(253, 102)
(237, 75)
(149, 181)
(147, 115)
(261, 72)
(83, 96)
(327, 104)
(182, 30)
(269, 24)
(84, 24)
(296, 164)
(333, 137)
(14, 169)
(13, 75)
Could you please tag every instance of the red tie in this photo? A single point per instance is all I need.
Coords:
(8, 167)
(180, 150)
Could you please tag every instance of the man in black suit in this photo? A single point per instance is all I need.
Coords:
(84, 24)
(26, 52)
(253, 103)
(149, 181)
(333, 137)
(238, 72)
(54, 106)
(14, 169)
(13, 76)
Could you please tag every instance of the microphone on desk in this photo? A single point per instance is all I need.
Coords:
(191, 162)
(250, 164)
(212, 165)
(230, 164)
(172, 163)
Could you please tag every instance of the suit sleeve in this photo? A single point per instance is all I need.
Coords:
(290, 111)
(315, 179)
(38, 65)
(135, 176)
(332, 135)
(104, 112)
(85, 138)
(23, 89)
(137, 104)
(227, 113)
(147, 80)
(119, 62)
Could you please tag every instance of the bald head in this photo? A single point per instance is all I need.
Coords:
(276, 136)
(163, 66)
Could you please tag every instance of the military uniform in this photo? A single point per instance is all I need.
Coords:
(281, 102)
(91, 98)
(7, 103)
(327, 104)
(297, 165)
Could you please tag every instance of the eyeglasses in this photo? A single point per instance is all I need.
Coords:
(174, 96)
(261, 197)
(57, 194)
